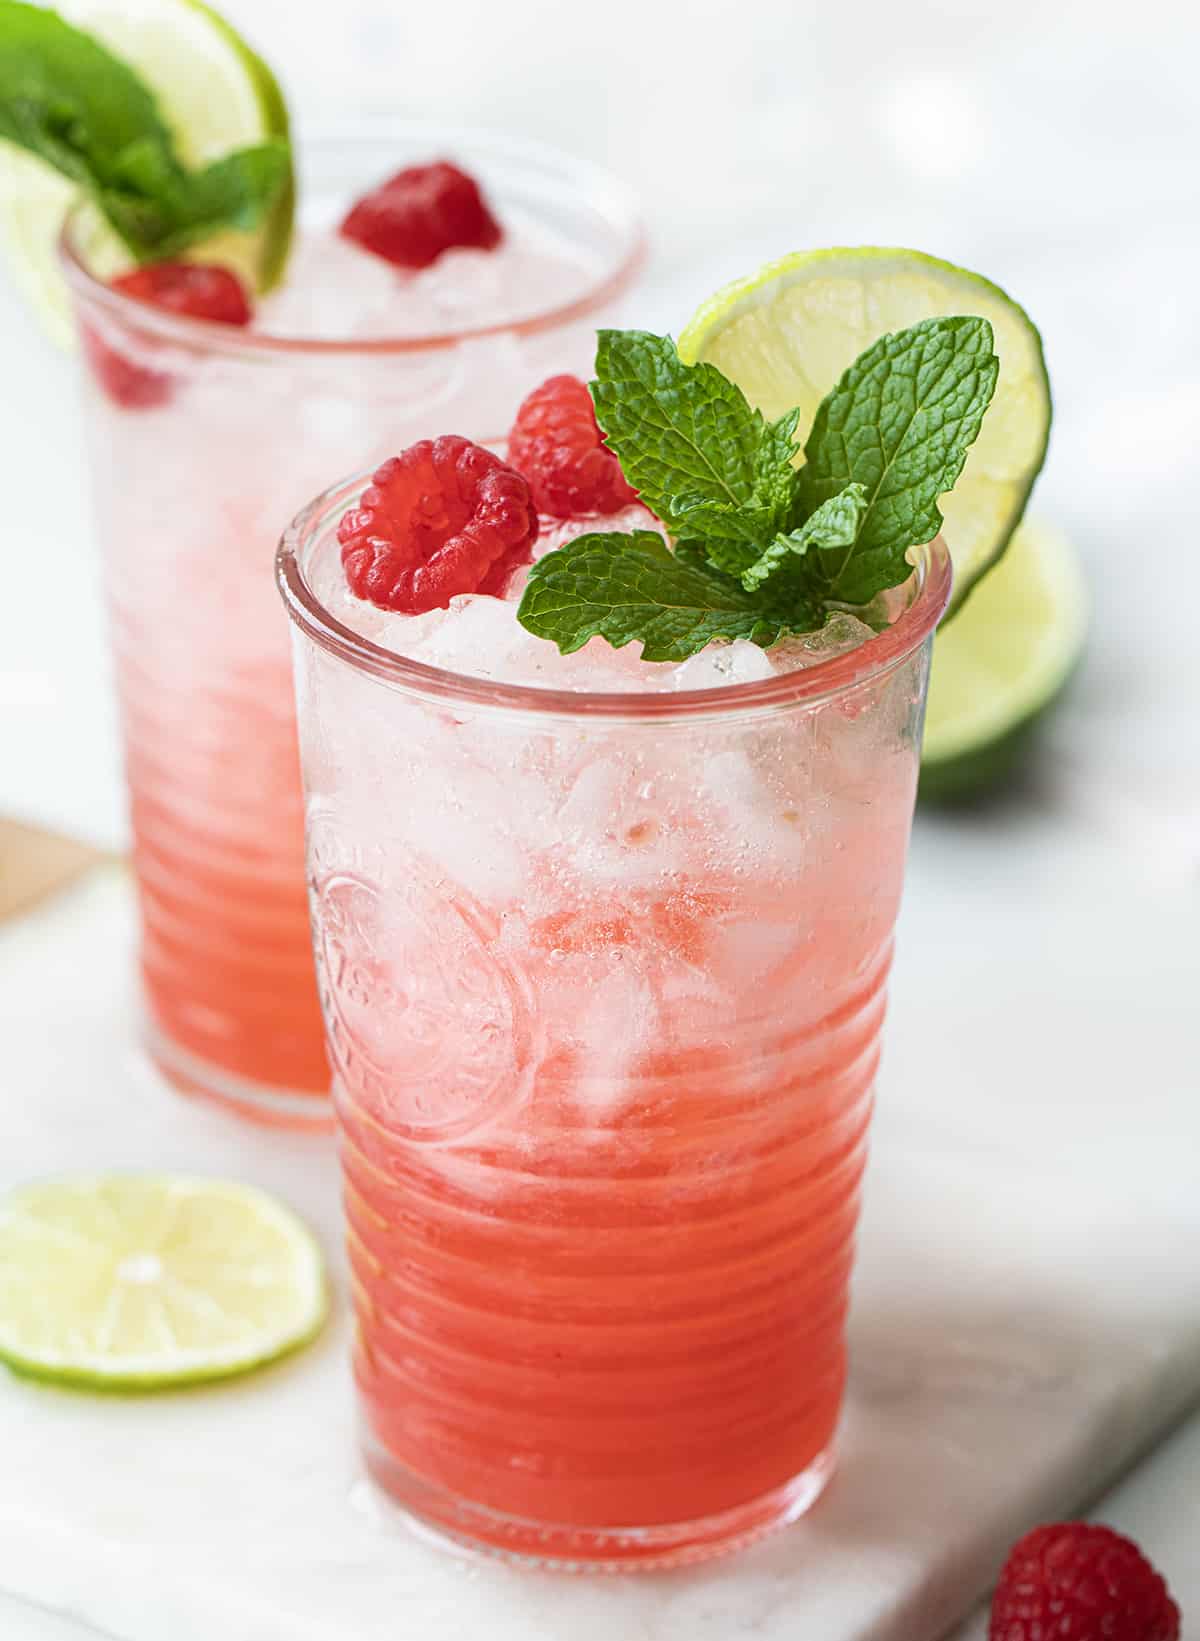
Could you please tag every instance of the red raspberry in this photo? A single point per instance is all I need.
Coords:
(1075, 1582)
(557, 444)
(195, 289)
(420, 212)
(198, 289)
(443, 517)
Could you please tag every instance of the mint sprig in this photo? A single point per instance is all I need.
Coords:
(631, 586)
(687, 439)
(900, 423)
(84, 111)
(761, 547)
(835, 524)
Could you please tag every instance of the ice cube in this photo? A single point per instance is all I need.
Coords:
(616, 1022)
(747, 951)
(462, 820)
(478, 636)
(840, 634)
(336, 289)
(618, 830)
(461, 284)
(738, 663)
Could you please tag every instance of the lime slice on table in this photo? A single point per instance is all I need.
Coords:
(215, 95)
(786, 334)
(139, 1282)
(1000, 666)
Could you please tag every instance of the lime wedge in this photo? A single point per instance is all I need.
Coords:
(786, 334)
(135, 1282)
(215, 94)
(998, 668)
(33, 202)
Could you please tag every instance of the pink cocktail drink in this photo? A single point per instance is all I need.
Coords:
(603, 948)
(224, 432)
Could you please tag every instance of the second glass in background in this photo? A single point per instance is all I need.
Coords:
(190, 486)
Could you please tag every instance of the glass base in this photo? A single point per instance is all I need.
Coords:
(258, 1102)
(458, 1525)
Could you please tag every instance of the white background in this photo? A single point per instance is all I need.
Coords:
(1051, 145)
(1054, 146)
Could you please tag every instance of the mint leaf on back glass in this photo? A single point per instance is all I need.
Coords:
(232, 192)
(73, 104)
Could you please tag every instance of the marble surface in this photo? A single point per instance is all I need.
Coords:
(1157, 1507)
(1026, 1319)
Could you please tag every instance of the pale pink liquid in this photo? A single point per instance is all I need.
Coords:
(191, 494)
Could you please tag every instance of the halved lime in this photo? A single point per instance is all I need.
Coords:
(139, 1282)
(215, 95)
(1001, 665)
(786, 334)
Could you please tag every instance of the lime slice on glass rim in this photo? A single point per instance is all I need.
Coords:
(143, 1282)
(786, 334)
(999, 668)
(215, 95)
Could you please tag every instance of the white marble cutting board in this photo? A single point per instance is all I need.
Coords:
(1027, 1312)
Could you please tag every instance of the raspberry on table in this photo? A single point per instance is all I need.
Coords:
(443, 517)
(1076, 1582)
(196, 290)
(420, 212)
(557, 443)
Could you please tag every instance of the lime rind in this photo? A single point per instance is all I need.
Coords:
(859, 294)
(33, 204)
(273, 241)
(998, 672)
(248, 1300)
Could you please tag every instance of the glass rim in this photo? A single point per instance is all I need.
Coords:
(804, 685)
(211, 337)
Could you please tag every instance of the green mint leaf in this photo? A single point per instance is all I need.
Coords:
(68, 100)
(71, 102)
(682, 432)
(900, 423)
(233, 192)
(627, 587)
(835, 524)
(731, 537)
(178, 211)
(777, 477)
(762, 548)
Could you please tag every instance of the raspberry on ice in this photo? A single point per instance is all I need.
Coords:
(197, 290)
(200, 290)
(556, 442)
(444, 517)
(420, 212)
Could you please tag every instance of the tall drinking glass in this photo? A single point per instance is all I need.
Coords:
(202, 437)
(603, 979)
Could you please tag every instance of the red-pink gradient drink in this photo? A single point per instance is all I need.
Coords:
(351, 355)
(603, 948)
